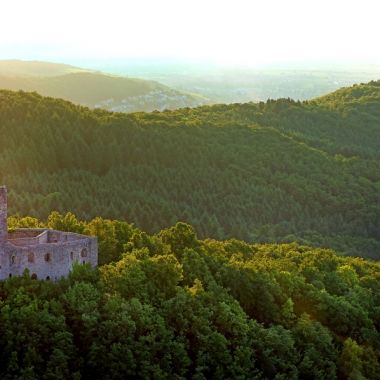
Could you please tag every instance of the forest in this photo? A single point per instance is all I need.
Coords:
(229, 239)
(276, 171)
(170, 305)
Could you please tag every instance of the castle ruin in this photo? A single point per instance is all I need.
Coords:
(47, 254)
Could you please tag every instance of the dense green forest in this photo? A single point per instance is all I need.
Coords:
(275, 171)
(172, 306)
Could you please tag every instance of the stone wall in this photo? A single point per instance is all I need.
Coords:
(49, 260)
(47, 254)
(3, 217)
(25, 233)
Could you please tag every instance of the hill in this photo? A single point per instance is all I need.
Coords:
(173, 306)
(93, 89)
(19, 68)
(278, 171)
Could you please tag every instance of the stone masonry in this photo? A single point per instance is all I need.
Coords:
(48, 254)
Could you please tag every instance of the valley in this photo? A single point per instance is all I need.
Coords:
(92, 88)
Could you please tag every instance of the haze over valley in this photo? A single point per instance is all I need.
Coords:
(237, 84)
(130, 86)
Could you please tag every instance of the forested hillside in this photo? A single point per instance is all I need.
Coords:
(173, 306)
(278, 171)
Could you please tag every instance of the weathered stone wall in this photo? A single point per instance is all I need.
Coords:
(3, 226)
(3, 217)
(25, 233)
(47, 254)
(23, 236)
(49, 260)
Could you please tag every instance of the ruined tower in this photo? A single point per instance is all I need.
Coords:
(47, 254)
(3, 217)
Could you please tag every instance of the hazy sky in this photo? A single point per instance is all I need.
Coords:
(243, 32)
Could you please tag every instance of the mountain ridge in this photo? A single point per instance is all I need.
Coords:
(93, 88)
(26, 68)
(275, 171)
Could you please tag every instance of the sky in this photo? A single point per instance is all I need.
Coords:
(237, 32)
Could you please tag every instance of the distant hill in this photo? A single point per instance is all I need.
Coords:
(357, 96)
(275, 171)
(93, 89)
(19, 68)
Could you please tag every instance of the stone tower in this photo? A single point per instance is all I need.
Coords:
(47, 254)
(3, 217)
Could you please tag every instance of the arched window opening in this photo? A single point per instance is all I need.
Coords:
(47, 278)
(30, 257)
(13, 259)
(84, 252)
(71, 255)
(10, 275)
(33, 276)
(84, 262)
(47, 257)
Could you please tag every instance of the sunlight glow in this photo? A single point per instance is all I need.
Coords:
(239, 32)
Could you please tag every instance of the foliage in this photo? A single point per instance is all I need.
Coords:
(278, 171)
(173, 306)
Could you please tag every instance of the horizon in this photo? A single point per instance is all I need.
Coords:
(248, 34)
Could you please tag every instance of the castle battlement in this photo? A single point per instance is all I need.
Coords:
(46, 253)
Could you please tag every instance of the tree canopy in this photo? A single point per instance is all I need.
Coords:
(278, 171)
(170, 305)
